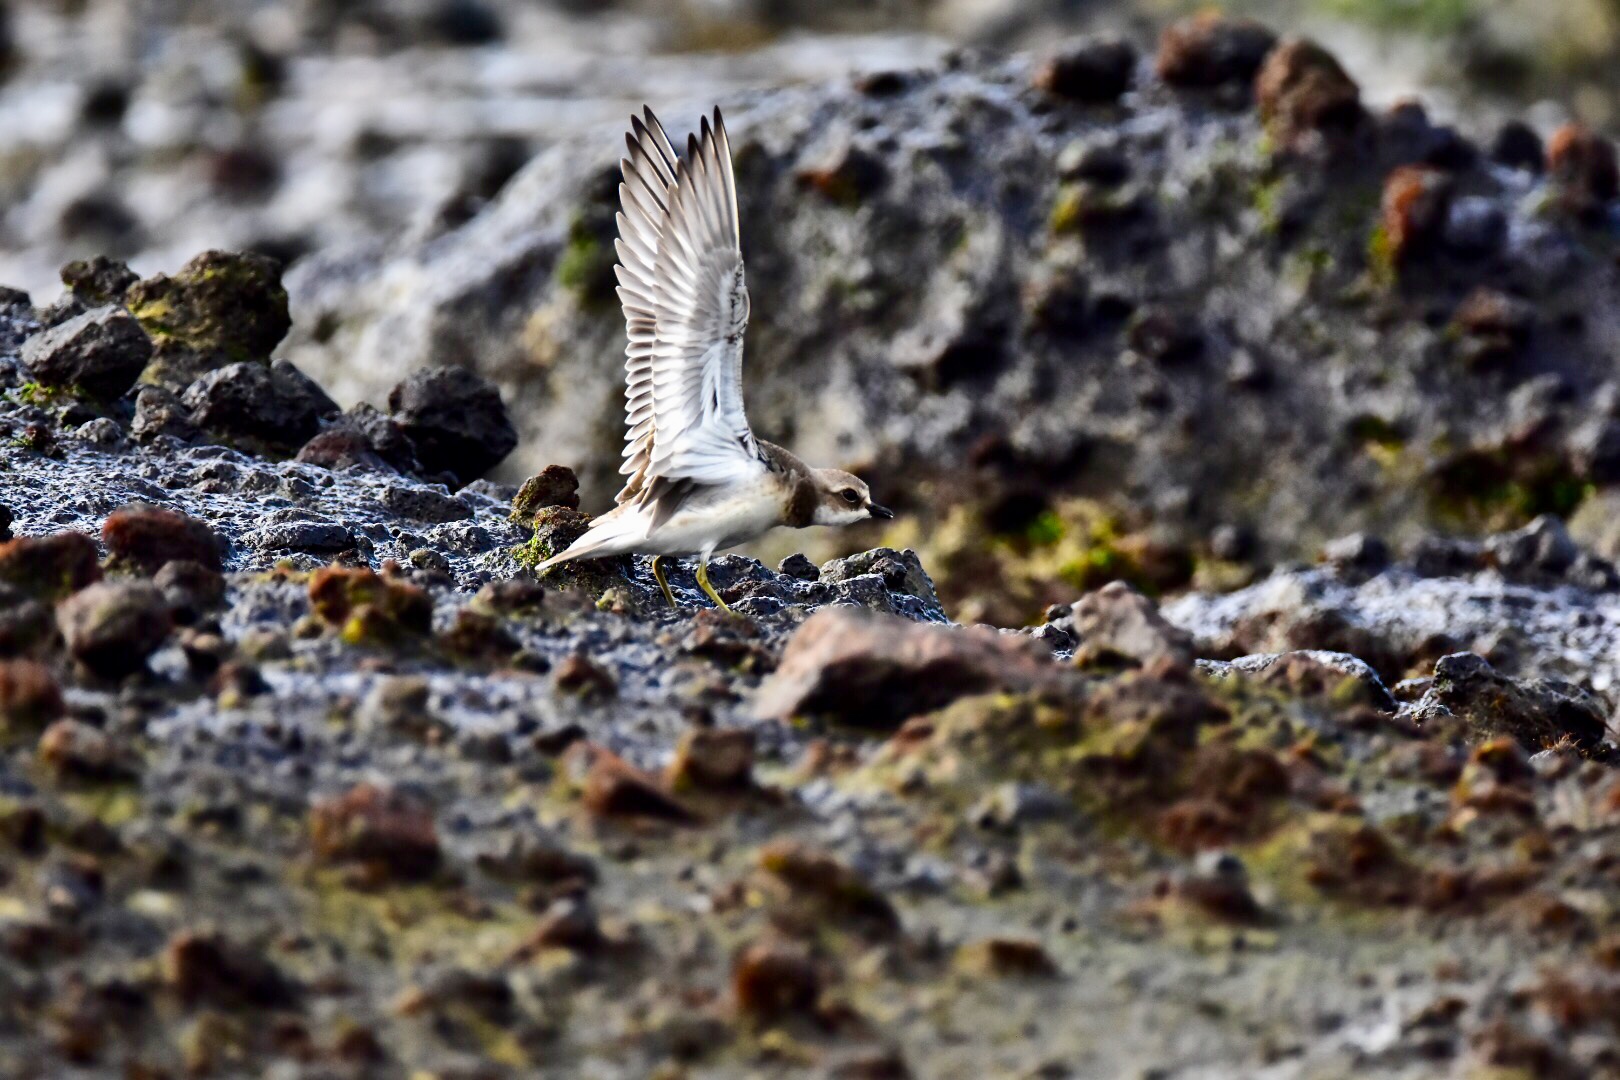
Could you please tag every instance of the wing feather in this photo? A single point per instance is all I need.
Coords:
(685, 304)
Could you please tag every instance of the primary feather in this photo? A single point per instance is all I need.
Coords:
(686, 308)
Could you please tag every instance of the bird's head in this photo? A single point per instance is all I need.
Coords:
(844, 499)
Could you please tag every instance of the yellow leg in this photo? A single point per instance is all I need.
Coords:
(703, 583)
(658, 572)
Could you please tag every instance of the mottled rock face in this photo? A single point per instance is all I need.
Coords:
(455, 421)
(220, 308)
(101, 351)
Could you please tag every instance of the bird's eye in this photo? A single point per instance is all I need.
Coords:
(850, 496)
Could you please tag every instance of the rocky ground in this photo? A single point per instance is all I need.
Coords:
(304, 773)
(1234, 696)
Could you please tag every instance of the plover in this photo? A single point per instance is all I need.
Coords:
(699, 479)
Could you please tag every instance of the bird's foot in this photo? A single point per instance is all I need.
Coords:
(658, 572)
(708, 589)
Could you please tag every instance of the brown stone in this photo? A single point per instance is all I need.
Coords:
(613, 788)
(1117, 623)
(206, 969)
(113, 626)
(363, 603)
(773, 980)
(387, 832)
(555, 485)
(1582, 166)
(1210, 50)
(1412, 211)
(50, 567)
(876, 671)
(826, 889)
(1301, 90)
(29, 696)
(1007, 957)
(147, 537)
(719, 759)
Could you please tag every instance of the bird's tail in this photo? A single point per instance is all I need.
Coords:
(604, 537)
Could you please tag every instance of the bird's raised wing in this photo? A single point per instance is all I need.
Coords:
(686, 306)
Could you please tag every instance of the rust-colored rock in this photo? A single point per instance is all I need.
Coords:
(206, 969)
(364, 604)
(1412, 211)
(613, 788)
(50, 567)
(580, 675)
(714, 759)
(822, 888)
(1582, 166)
(1007, 957)
(74, 750)
(1209, 50)
(1302, 90)
(773, 981)
(147, 537)
(876, 671)
(385, 832)
(29, 696)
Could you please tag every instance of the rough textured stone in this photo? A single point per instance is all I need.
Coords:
(1092, 70)
(112, 627)
(1118, 623)
(455, 421)
(1211, 49)
(102, 351)
(276, 405)
(148, 537)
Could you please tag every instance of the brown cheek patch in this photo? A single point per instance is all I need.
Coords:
(801, 509)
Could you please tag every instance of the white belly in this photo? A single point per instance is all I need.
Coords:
(713, 524)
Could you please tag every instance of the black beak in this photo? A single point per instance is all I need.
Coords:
(879, 511)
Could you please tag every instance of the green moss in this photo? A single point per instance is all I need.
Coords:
(1382, 265)
(1432, 18)
(585, 266)
(1067, 211)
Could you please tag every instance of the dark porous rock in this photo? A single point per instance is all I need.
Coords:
(98, 281)
(1211, 50)
(147, 537)
(275, 405)
(30, 697)
(1519, 147)
(900, 572)
(1340, 677)
(204, 968)
(1164, 335)
(6, 520)
(1537, 712)
(555, 485)
(1302, 91)
(102, 351)
(386, 437)
(160, 413)
(799, 567)
(220, 308)
(423, 504)
(385, 833)
(1094, 70)
(1542, 548)
(341, 447)
(876, 671)
(1492, 326)
(1117, 624)
(1357, 552)
(1583, 168)
(50, 567)
(455, 421)
(112, 627)
(314, 537)
(191, 588)
(1006, 958)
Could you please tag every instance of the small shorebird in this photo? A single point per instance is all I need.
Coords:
(699, 480)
